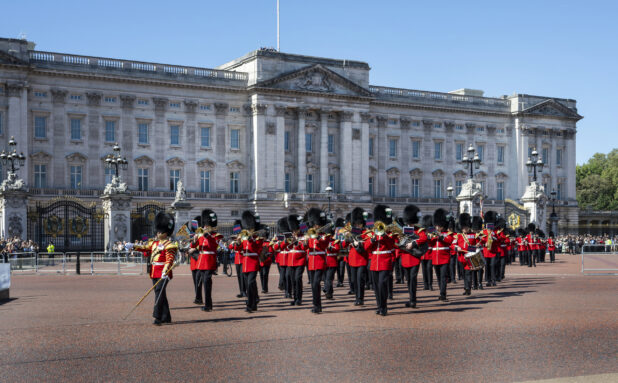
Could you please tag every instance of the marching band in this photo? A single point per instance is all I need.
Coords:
(370, 246)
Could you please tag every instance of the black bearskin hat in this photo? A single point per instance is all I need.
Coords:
(164, 223)
(249, 221)
(282, 225)
(315, 217)
(348, 217)
(531, 227)
(356, 217)
(521, 232)
(551, 234)
(383, 213)
(439, 218)
(427, 221)
(540, 233)
(477, 223)
(491, 216)
(451, 223)
(339, 222)
(199, 220)
(465, 220)
(410, 215)
(500, 224)
(294, 222)
(209, 218)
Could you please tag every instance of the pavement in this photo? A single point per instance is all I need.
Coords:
(548, 323)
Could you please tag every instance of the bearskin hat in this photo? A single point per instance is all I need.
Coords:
(540, 233)
(427, 221)
(551, 234)
(521, 232)
(451, 223)
(491, 216)
(439, 218)
(357, 217)
(209, 218)
(500, 224)
(348, 217)
(198, 218)
(339, 222)
(410, 215)
(465, 220)
(294, 222)
(282, 225)
(477, 223)
(249, 221)
(315, 217)
(164, 223)
(383, 213)
(531, 227)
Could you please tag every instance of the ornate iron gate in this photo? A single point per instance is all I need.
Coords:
(68, 224)
(142, 220)
(515, 214)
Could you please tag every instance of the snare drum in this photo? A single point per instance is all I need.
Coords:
(475, 259)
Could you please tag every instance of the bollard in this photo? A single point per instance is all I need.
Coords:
(77, 264)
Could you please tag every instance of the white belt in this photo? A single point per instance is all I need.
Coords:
(158, 263)
(250, 254)
(317, 253)
(502, 245)
(208, 252)
(383, 252)
(331, 254)
(441, 248)
(296, 251)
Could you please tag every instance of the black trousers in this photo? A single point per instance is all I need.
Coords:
(297, 272)
(357, 280)
(552, 256)
(369, 278)
(522, 257)
(350, 278)
(316, 284)
(206, 281)
(281, 270)
(477, 277)
(289, 280)
(380, 280)
(427, 273)
(460, 270)
(161, 309)
(252, 291)
(197, 285)
(398, 270)
(328, 282)
(490, 273)
(468, 279)
(241, 281)
(441, 272)
(264, 271)
(340, 271)
(452, 265)
(411, 275)
(531, 258)
(502, 267)
(308, 277)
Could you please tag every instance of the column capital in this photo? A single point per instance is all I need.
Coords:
(259, 109)
(428, 124)
(14, 88)
(365, 117)
(448, 125)
(58, 95)
(190, 105)
(404, 122)
(346, 116)
(470, 127)
(381, 121)
(280, 110)
(301, 110)
(221, 108)
(94, 98)
(127, 100)
(491, 128)
(160, 103)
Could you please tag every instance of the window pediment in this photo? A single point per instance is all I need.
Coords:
(175, 162)
(41, 156)
(143, 161)
(235, 165)
(206, 163)
(438, 173)
(77, 158)
(416, 172)
(393, 171)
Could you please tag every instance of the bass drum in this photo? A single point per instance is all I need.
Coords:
(476, 260)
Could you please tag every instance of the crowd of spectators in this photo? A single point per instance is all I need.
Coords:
(573, 244)
(12, 246)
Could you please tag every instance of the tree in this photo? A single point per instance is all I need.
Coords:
(597, 182)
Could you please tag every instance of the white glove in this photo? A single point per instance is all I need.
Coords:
(164, 276)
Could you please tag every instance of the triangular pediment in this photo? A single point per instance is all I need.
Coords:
(6, 58)
(316, 78)
(551, 108)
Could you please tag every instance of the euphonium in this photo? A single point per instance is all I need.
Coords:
(395, 228)
(324, 228)
(379, 228)
(312, 233)
(244, 235)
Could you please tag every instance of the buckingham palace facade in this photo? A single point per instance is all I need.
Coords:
(270, 131)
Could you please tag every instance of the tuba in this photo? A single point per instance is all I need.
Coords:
(379, 226)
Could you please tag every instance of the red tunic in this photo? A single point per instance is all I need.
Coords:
(207, 246)
(551, 246)
(493, 250)
(441, 249)
(381, 250)
(236, 247)
(251, 249)
(316, 249)
(297, 255)
(270, 249)
(162, 255)
(332, 251)
(465, 247)
(356, 258)
(503, 243)
(407, 259)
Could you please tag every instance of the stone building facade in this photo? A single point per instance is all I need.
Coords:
(270, 131)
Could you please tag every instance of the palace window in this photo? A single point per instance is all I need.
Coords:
(40, 176)
(205, 181)
(174, 105)
(559, 191)
(480, 129)
(416, 149)
(371, 185)
(416, 124)
(459, 149)
(500, 150)
(480, 149)
(175, 135)
(205, 137)
(75, 97)
(437, 151)
(142, 133)
(109, 174)
(331, 144)
(459, 127)
(558, 157)
(500, 191)
(174, 178)
(110, 100)
(331, 181)
(309, 142)
(235, 139)
(204, 107)
(40, 94)
(545, 156)
(287, 182)
(141, 101)
(76, 129)
(76, 177)
(392, 187)
(309, 183)
(110, 131)
(40, 127)
(286, 141)
(371, 141)
(234, 182)
(437, 188)
(392, 148)
(458, 185)
(142, 179)
(437, 125)
(415, 188)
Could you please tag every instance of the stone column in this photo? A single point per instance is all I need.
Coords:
(261, 169)
(534, 200)
(127, 134)
(13, 208)
(302, 154)
(280, 148)
(569, 164)
(57, 132)
(381, 152)
(17, 119)
(323, 149)
(158, 142)
(427, 160)
(220, 131)
(346, 173)
(365, 152)
(93, 124)
(117, 212)
(404, 162)
(521, 141)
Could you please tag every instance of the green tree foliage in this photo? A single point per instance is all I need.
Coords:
(597, 182)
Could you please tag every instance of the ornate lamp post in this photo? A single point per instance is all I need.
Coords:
(471, 160)
(534, 163)
(449, 194)
(16, 160)
(116, 161)
(534, 198)
(329, 192)
(470, 191)
(553, 217)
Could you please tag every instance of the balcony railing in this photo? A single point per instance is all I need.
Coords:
(135, 193)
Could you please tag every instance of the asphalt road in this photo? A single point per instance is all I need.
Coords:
(548, 322)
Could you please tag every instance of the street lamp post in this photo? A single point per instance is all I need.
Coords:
(116, 161)
(16, 160)
(329, 192)
(553, 217)
(449, 194)
(534, 163)
(471, 160)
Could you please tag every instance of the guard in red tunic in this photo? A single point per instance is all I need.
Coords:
(532, 245)
(521, 247)
(197, 283)
(384, 214)
(235, 246)
(502, 250)
(206, 245)
(381, 249)
(162, 252)
(332, 262)
(466, 244)
(440, 243)
(316, 251)
(265, 262)
(297, 259)
(414, 249)
(477, 229)
(251, 248)
(426, 269)
(283, 230)
(551, 247)
(342, 255)
(491, 246)
(357, 256)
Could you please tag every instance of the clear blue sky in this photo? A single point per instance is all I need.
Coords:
(565, 49)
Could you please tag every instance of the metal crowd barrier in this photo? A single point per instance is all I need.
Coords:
(600, 248)
(599, 260)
